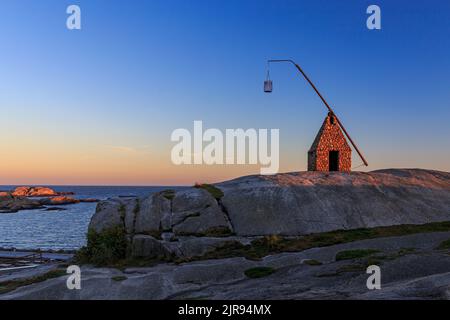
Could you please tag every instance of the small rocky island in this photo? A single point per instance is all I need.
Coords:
(31, 198)
(305, 235)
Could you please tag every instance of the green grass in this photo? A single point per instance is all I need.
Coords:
(11, 285)
(355, 254)
(367, 258)
(259, 272)
(264, 246)
(312, 262)
(119, 278)
(444, 245)
(213, 190)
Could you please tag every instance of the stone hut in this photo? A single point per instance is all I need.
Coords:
(330, 150)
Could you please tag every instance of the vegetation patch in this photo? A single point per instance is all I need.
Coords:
(365, 262)
(352, 268)
(405, 251)
(169, 194)
(104, 248)
(312, 262)
(119, 278)
(267, 245)
(137, 262)
(218, 232)
(215, 232)
(444, 245)
(259, 272)
(213, 190)
(137, 207)
(11, 285)
(355, 254)
(109, 248)
(122, 212)
(356, 267)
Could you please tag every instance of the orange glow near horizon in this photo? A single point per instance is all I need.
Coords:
(50, 164)
(47, 159)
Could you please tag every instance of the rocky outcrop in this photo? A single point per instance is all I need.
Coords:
(24, 198)
(34, 192)
(293, 204)
(167, 224)
(196, 212)
(10, 204)
(63, 200)
(59, 200)
(311, 202)
(108, 215)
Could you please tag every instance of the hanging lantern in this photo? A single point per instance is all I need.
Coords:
(268, 84)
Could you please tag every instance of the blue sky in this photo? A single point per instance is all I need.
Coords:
(138, 70)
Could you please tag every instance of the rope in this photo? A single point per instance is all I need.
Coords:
(358, 166)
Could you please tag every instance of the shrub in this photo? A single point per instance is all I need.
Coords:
(104, 248)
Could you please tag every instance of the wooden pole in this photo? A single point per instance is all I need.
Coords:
(327, 105)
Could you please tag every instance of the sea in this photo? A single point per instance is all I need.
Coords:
(60, 230)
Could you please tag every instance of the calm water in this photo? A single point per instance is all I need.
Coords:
(33, 229)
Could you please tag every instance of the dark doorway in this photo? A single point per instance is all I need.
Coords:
(334, 161)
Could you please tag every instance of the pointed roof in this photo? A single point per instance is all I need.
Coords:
(316, 142)
(319, 134)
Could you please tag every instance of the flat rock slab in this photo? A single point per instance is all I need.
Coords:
(312, 202)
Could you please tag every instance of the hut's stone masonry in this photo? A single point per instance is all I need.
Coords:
(330, 150)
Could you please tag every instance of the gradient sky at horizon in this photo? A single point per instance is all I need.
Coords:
(97, 106)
